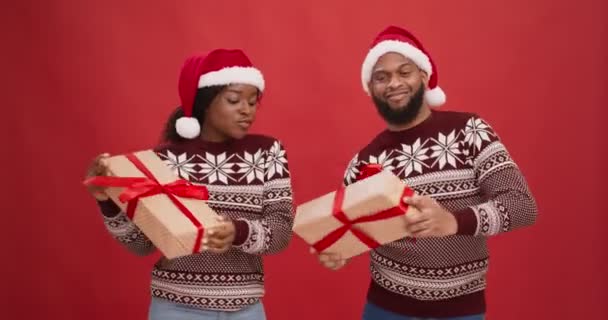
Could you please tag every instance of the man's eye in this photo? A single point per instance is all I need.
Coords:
(380, 78)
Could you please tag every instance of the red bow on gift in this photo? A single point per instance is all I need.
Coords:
(369, 170)
(350, 225)
(137, 188)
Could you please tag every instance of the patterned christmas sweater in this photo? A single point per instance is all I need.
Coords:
(249, 181)
(457, 159)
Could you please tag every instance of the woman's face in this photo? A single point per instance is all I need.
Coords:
(231, 113)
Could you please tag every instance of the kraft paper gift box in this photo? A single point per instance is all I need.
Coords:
(170, 211)
(357, 218)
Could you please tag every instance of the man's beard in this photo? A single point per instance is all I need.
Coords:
(403, 115)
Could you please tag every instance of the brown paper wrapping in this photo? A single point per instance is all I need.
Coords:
(171, 232)
(382, 191)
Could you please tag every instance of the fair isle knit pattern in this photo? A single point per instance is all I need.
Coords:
(249, 181)
(457, 159)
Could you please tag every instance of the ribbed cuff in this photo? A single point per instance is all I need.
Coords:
(108, 208)
(467, 221)
(241, 232)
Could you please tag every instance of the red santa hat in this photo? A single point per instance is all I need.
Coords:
(398, 40)
(218, 67)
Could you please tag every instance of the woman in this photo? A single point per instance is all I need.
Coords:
(249, 185)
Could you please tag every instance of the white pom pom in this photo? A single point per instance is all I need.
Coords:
(188, 128)
(435, 97)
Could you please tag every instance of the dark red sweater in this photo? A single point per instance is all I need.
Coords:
(457, 159)
(248, 181)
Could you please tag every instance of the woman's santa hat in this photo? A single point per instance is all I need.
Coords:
(398, 40)
(219, 67)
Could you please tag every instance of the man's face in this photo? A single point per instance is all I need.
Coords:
(397, 87)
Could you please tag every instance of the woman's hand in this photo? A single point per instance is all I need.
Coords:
(99, 167)
(219, 238)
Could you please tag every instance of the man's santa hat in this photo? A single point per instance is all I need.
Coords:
(398, 40)
(217, 68)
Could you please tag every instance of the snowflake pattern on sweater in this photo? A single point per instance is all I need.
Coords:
(435, 153)
(457, 159)
(248, 181)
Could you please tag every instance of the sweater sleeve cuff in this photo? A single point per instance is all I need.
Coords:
(241, 228)
(108, 208)
(467, 221)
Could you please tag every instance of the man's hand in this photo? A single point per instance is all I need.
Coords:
(331, 261)
(219, 238)
(432, 220)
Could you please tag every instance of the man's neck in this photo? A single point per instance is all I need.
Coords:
(424, 113)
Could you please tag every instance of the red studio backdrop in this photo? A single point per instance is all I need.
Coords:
(85, 77)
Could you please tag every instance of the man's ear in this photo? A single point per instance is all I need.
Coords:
(425, 78)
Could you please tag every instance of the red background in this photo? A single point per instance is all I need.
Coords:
(83, 77)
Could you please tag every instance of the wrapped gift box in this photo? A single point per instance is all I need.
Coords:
(354, 219)
(170, 211)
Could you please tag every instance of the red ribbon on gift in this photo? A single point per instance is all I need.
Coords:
(137, 188)
(369, 170)
(350, 225)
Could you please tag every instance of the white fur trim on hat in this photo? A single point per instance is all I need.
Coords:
(188, 127)
(233, 75)
(435, 97)
(386, 46)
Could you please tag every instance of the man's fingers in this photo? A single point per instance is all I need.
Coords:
(413, 201)
(415, 216)
(329, 257)
(419, 202)
(334, 264)
(338, 264)
(419, 226)
(330, 260)
(425, 233)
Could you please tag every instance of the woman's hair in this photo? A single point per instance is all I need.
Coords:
(202, 101)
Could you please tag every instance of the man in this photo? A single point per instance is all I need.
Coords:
(468, 189)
